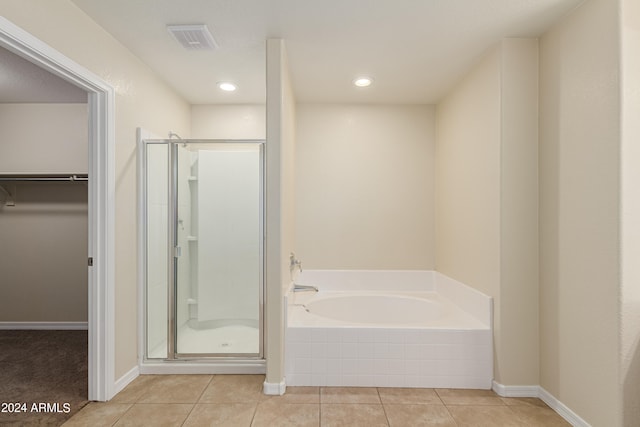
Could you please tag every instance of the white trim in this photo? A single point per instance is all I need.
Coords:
(101, 102)
(539, 392)
(516, 390)
(124, 380)
(51, 326)
(562, 409)
(164, 367)
(274, 389)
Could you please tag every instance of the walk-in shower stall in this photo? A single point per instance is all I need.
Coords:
(203, 233)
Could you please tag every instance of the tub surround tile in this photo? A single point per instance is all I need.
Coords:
(352, 415)
(176, 389)
(221, 414)
(155, 414)
(418, 415)
(409, 395)
(424, 357)
(303, 365)
(349, 395)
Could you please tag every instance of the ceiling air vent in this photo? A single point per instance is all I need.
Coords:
(193, 37)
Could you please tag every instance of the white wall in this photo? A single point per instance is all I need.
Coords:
(44, 138)
(142, 100)
(579, 212)
(228, 233)
(246, 121)
(630, 226)
(468, 179)
(364, 186)
(280, 202)
(519, 284)
(43, 255)
(486, 198)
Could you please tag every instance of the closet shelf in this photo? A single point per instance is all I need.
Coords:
(44, 178)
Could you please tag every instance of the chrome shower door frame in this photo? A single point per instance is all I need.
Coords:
(173, 255)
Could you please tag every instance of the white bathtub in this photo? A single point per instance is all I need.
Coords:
(388, 329)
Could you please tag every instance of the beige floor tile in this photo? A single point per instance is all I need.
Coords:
(135, 390)
(221, 414)
(98, 414)
(409, 395)
(274, 413)
(349, 395)
(175, 389)
(539, 416)
(299, 395)
(352, 415)
(234, 389)
(485, 416)
(418, 415)
(468, 397)
(155, 414)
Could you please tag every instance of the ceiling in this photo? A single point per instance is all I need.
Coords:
(415, 50)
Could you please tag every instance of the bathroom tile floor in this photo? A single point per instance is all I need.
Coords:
(237, 400)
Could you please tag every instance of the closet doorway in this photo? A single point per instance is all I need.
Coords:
(99, 185)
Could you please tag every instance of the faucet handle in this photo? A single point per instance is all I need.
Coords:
(294, 263)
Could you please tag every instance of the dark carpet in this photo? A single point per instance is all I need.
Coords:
(43, 376)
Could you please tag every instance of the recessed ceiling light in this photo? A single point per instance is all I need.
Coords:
(227, 86)
(363, 81)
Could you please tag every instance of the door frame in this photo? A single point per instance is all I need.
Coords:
(101, 200)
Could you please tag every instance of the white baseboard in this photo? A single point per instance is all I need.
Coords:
(562, 409)
(66, 326)
(274, 389)
(539, 392)
(516, 390)
(124, 380)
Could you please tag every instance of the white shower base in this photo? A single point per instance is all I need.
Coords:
(225, 339)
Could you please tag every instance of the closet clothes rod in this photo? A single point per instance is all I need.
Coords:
(45, 178)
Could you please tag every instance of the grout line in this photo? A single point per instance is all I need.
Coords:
(122, 415)
(197, 400)
(205, 388)
(253, 417)
(384, 410)
(450, 414)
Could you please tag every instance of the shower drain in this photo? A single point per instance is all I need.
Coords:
(225, 344)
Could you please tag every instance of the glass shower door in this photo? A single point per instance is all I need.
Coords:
(218, 272)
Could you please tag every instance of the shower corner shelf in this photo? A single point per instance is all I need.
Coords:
(193, 178)
(192, 238)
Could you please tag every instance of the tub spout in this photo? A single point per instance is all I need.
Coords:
(300, 288)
